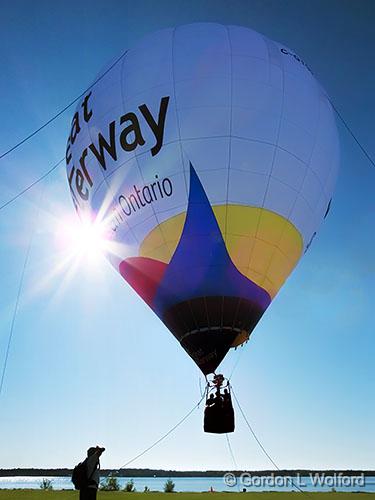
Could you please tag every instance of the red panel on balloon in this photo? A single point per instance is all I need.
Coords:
(144, 275)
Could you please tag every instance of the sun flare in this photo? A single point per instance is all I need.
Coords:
(82, 238)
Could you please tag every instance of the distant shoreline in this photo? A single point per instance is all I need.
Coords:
(63, 472)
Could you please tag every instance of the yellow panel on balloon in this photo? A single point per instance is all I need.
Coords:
(264, 246)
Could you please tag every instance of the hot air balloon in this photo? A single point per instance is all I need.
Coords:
(210, 152)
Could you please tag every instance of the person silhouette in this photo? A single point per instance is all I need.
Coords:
(227, 397)
(211, 400)
(218, 400)
(89, 491)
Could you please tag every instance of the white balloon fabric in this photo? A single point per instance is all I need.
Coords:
(211, 153)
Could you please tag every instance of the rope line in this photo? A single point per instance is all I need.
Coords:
(233, 458)
(30, 186)
(164, 436)
(59, 113)
(262, 447)
(353, 135)
(241, 349)
(231, 452)
(18, 296)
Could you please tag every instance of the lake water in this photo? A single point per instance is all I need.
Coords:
(256, 483)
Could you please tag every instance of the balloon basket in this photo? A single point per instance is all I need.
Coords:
(218, 412)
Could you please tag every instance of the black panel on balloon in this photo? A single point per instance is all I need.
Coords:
(207, 326)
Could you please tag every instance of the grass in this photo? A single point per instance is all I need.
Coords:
(119, 495)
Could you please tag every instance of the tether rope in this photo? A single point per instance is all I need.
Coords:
(352, 134)
(239, 355)
(34, 183)
(59, 113)
(231, 452)
(18, 296)
(164, 436)
(232, 457)
(262, 447)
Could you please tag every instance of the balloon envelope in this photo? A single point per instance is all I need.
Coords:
(211, 153)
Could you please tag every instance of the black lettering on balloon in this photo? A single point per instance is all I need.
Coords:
(309, 243)
(146, 190)
(170, 189)
(156, 127)
(83, 166)
(86, 113)
(80, 185)
(328, 208)
(284, 51)
(139, 199)
(153, 190)
(110, 147)
(158, 183)
(70, 177)
(120, 200)
(68, 154)
(75, 130)
(133, 128)
(106, 147)
(131, 198)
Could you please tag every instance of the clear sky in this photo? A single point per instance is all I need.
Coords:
(89, 362)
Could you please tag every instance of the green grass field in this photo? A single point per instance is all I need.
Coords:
(70, 495)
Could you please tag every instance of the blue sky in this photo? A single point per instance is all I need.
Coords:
(89, 363)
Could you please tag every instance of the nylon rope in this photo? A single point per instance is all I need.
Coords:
(356, 140)
(30, 186)
(59, 113)
(18, 296)
(232, 457)
(231, 452)
(262, 447)
(164, 436)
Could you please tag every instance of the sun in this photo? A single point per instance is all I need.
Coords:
(74, 245)
(82, 238)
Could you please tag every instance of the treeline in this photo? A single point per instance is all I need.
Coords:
(177, 473)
